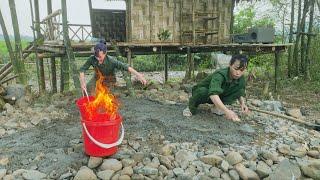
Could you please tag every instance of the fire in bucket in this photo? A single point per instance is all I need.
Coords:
(100, 120)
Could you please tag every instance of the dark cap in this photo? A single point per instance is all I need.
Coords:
(101, 46)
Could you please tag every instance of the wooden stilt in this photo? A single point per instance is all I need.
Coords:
(53, 74)
(128, 75)
(42, 77)
(276, 70)
(166, 67)
(189, 66)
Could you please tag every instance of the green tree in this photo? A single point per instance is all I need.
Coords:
(246, 19)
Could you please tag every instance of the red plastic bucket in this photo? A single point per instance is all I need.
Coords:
(100, 132)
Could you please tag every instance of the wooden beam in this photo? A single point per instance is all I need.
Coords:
(50, 13)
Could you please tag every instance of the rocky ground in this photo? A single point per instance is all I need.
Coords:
(41, 139)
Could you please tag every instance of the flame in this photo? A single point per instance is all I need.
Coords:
(104, 102)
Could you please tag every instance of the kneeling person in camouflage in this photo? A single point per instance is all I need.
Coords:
(221, 88)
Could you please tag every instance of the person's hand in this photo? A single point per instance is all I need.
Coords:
(142, 79)
(232, 115)
(244, 109)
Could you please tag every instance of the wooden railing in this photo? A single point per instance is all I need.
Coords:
(51, 29)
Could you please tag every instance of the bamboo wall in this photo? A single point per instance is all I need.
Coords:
(188, 21)
(148, 17)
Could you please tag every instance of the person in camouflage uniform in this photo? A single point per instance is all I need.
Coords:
(222, 87)
(106, 65)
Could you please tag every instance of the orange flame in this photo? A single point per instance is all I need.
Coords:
(104, 101)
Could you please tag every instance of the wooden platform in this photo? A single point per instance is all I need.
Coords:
(84, 49)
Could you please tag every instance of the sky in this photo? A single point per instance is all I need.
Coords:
(78, 12)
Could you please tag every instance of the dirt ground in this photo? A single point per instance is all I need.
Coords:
(56, 146)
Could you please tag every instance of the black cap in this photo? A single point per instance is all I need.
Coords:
(101, 46)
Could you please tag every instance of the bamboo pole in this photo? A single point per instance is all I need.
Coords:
(290, 53)
(19, 69)
(232, 17)
(285, 117)
(6, 66)
(303, 43)
(8, 79)
(165, 67)
(42, 76)
(5, 73)
(52, 59)
(193, 25)
(69, 51)
(7, 40)
(36, 29)
(65, 76)
(151, 4)
(296, 45)
(42, 85)
(128, 75)
(307, 61)
(276, 71)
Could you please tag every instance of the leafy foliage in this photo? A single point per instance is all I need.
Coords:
(246, 19)
(4, 54)
(164, 34)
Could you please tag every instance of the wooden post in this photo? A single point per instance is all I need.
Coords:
(65, 75)
(290, 55)
(36, 42)
(52, 59)
(188, 70)
(7, 39)
(307, 65)
(90, 11)
(128, 75)
(303, 44)
(49, 10)
(53, 74)
(165, 67)
(62, 78)
(232, 17)
(193, 25)
(276, 70)
(69, 51)
(296, 44)
(128, 21)
(20, 69)
(180, 21)
(42, 77)
(151, 4)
